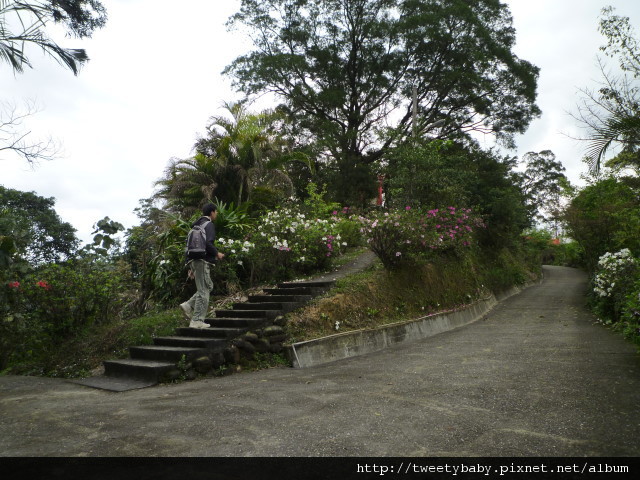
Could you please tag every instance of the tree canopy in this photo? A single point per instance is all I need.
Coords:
(38, 233)
(604, 217)
(346, 70)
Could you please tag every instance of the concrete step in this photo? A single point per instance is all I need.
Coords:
(277, 308)
(308, 284)
(314, 288)
(144, 370)
(224, 333)
(244, 323)
(304, 291)
(165, 354)
(284, 298)
(262, 313)
(258, 306)
(212, 344)
(114, 384)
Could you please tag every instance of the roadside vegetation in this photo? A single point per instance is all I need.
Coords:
(299, 191)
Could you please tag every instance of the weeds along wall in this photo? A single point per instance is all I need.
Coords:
(378, 296)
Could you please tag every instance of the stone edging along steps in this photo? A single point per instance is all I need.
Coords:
(359, 342)
(249, 326)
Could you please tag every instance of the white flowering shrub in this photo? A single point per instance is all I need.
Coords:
(613, 271)
(613, 281)
(299, 241)
(237, 251)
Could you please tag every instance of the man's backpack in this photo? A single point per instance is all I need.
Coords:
(197, 241)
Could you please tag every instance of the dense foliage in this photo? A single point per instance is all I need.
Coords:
(439, 174)
(604, 217)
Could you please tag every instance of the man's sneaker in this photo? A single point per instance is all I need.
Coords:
(198, 324)
(188, 311)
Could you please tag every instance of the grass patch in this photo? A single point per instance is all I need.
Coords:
(261, 361)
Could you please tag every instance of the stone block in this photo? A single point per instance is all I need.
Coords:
(217, 359)
(202, 364)
(244, 346)
(171, 375)
(273, 331)
(231, 354)
(250, 337)
(277, 338)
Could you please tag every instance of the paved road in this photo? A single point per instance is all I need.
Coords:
(536, 377)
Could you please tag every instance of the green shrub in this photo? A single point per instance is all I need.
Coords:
(630, 318)
(58, 301)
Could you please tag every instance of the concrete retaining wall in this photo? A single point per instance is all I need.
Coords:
(359, 342)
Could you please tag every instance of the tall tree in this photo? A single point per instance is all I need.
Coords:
(31, 17)
(346, 71)
(543, 183)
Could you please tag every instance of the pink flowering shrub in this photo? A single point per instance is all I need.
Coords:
(408, 234)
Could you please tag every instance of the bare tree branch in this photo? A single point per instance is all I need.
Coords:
(16, 139)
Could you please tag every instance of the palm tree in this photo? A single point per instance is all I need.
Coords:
(188, 184)
(238, 154)
(624, 130)
(249, 142)
(611, 117)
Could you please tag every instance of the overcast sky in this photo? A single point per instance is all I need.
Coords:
(154, 79)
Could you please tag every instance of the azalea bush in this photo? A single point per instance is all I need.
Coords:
(613, 283)
(398, 236)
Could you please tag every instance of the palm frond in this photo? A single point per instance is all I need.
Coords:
(621, 128)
